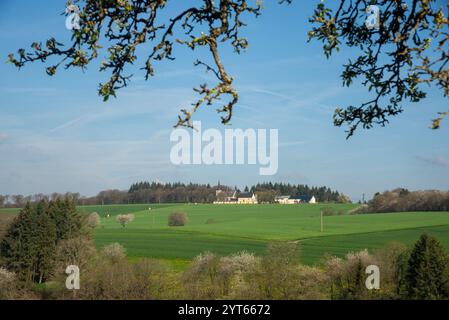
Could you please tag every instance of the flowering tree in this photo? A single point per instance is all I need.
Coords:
(124, 219)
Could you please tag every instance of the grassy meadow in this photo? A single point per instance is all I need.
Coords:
(226, 229)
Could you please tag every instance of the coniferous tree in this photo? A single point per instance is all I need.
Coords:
(43, 245)
(29, 247)
(427, 276)
(67, 220)
(15, 245)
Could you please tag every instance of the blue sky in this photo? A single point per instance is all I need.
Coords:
(56, 134)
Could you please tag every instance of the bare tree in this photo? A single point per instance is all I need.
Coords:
(2, 200)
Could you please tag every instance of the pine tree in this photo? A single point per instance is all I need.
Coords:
(44, 238)
(67, 220)
(29, 246)
(15, 244)
(427, 276)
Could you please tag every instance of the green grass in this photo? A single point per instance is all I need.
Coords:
(312, 250)
(117, 209)
(252, 227)
(9, 211)
(172, 244)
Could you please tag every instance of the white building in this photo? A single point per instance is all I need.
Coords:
(295, 199)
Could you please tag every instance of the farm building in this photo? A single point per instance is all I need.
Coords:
(234, 197)
(281, 199)
(246, 198)
(295, 199)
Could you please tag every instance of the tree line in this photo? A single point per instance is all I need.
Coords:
(400, 200)
(177, 192)
(322, 194)
(19, 200)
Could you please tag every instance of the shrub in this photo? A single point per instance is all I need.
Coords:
(392, 261)
(123, 280)
(347, 276)
(201, 278)
(12, 289)
(332, 212)
(213, 277)
(399, 200)
(360, 209)
(114, 252)
(76, 251)
(93, 220)
(177, 219)
(124, 219)
(7, 283)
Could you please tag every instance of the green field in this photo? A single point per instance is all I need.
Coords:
(9, 211)
(252, 227)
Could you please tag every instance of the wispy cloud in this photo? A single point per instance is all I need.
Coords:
(61, 164)
(249, 121)
(275, 94)
(292, 143)
(307, 97)
(438, 160)
(72, 123)
(34, 90)
(3, 137)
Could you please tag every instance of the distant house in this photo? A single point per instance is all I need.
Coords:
(234, 197)
(295, 199)
(281, 199)
(246, 198)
